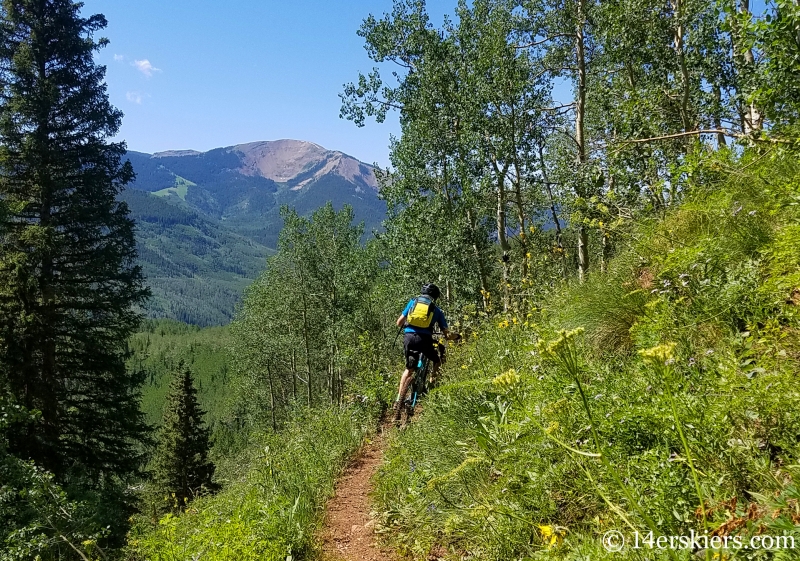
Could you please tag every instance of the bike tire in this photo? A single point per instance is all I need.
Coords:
(416, 390)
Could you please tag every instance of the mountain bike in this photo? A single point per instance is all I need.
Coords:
(419, 383)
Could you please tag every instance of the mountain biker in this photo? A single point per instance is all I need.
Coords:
(418, 319)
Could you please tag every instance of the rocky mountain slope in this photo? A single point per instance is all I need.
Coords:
(207, 220)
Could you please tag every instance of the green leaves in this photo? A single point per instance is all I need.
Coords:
(297, 335)
(777, 89)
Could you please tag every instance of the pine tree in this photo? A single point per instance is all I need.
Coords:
(181, 467)
(69, 286)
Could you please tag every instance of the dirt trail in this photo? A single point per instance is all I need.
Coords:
(349, 532)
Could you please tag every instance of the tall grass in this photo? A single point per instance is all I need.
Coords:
(531, 451)
(269, 511)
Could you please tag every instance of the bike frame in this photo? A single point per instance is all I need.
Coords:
(420, 379)
(417, 387)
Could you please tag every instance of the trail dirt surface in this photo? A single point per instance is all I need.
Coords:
(349, 532)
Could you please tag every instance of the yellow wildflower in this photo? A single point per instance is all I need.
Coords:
(659, 353)
(507, 379)
(564, 337)
(454, 472)
(553, 535)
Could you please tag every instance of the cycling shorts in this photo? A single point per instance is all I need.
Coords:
(417, 344)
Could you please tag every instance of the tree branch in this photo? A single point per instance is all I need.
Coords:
(545, 40)
(682, 134)
(558, 107)
(726, 132)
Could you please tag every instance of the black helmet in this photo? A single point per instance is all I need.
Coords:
(431, 290)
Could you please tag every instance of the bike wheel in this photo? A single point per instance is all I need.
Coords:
(421, 381)
(418, 389)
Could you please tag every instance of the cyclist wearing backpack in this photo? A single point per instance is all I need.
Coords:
(418, 318)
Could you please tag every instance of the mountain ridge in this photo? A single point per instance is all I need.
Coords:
(231, 196)
(284, 159)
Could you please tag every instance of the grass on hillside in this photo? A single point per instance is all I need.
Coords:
(273, 495)
(675, 407)
(179, 190)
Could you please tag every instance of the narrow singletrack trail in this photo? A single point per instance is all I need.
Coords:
(349, 532)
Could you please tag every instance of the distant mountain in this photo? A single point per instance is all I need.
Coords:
(207, 220)
(244, 186)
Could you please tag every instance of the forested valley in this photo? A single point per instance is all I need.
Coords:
(606, 193)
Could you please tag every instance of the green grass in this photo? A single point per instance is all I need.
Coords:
(534, 449)
(273, 495)
(180, 188)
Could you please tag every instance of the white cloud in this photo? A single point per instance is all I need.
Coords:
(119, 58)
(135, 97)
(145, 67)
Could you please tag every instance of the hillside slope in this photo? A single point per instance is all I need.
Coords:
(670, 408)
(195, 267)
(207, 220)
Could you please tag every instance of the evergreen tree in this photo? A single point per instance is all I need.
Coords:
(69, 288)
(181, 465)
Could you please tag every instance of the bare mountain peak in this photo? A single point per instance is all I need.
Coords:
(294, 162)
(300, 162)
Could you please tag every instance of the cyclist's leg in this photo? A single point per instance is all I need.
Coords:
(431, 351)
(411, 357)
(405, 380)
(434, 374)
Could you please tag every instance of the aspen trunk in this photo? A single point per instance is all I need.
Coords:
(478, 258)
(501, 215)
(521, 220)
(678, 45)
(717, 120)
(580, 130)
(502, 238)
(271, 398)
(306, 344)
(294, 375)
(554, 214)
(752, 120)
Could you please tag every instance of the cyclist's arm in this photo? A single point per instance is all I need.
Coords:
(401, 321)
(450, 335)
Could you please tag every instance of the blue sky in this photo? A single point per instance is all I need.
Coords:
(199, 74)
